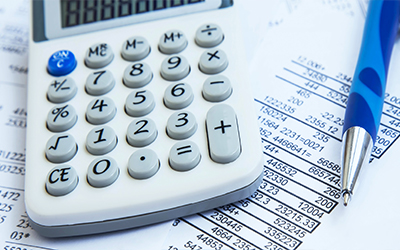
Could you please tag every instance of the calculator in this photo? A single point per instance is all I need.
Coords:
(140, 111)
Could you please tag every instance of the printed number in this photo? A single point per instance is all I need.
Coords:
(136, 69)
(183, 119)
(100, 106)
(141, 130)
(175, 61)
(99, 73)
(139, 95)
(177, 91)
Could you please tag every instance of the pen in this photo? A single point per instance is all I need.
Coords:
(367, 92)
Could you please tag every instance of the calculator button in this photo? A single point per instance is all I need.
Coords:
(61, 180)
(98, 55)
(139, 103)
(101, 140)
(223, 134)
(61, 118)
(137, 75)
(61, 90)
(99, 82)
(178, 96)
(181, 125)
(102, 172)
(184, 156)
(209, 35)
(217, 88)
(135, 48)
(141, 132)
(213, 61)
(143, 164)
(61, 148)
(100, 111)
(61, 63)
(175, 68)
(173, 41)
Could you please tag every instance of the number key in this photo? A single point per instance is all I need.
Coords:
(139, 103)
(101, 140)
(141, 132)
(175, 68)
(99, 82)
(100, 111)
(178, 96)
(181, 125)
(137, 75)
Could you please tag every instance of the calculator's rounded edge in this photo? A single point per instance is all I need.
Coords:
(146, 219)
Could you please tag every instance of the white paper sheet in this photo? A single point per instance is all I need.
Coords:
(301, 73)
(15, 232)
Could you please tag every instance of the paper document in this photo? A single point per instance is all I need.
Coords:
(15, 232)
(301, 75)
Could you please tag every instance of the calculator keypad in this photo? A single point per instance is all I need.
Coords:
(61, 180)
(172, 42)
(221, 125)
(143, 164)
(61, 118)
(213, 61)
(135, 48)
(61, 90)
(184, 156)
(99, 55)
(209, 35)
(61, 148)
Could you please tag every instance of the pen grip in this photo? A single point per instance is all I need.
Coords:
(367, 92)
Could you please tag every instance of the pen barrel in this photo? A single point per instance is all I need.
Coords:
(367, 92)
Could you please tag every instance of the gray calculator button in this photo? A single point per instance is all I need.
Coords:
(143, 164)
(139, 103)
(184, 156)
(102, 172)
(98, 55)
(174, 68)
(135, 48)
(100, 111)
(99, 82)
(141, 132)
(61, 148)
(172, 41)
(223, 134)
(137, 75)
(61, 180)
(101, 140)
(213, 61)
(178, 96)
(61, 118)
(181, 125)
(209, 35)
(61, 90)
(217, 88)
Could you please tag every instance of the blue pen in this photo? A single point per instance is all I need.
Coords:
(367, 92)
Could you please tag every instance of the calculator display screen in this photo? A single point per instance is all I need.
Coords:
(62, 18)
(78, 12)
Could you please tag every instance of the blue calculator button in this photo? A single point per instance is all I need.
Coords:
(61, 63)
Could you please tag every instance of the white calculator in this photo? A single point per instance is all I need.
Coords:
(140, 111)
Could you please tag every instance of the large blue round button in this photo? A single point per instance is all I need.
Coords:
(61, 63)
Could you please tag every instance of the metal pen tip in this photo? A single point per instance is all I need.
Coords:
(346, 198)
